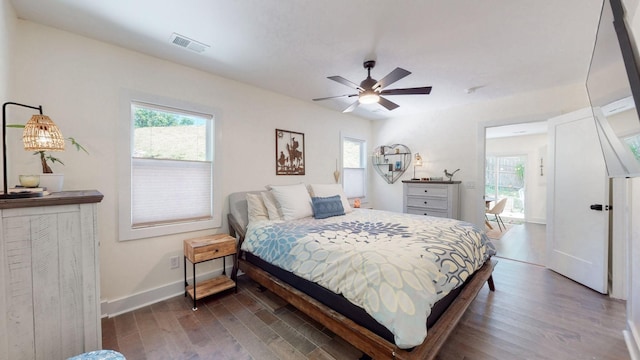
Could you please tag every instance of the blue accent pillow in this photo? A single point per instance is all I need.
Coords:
(99, 355)
(324, 207)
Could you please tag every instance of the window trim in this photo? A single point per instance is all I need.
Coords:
(126, 231)
(364, 160)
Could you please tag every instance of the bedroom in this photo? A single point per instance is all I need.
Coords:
(79, 81)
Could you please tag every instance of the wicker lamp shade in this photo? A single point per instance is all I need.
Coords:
(42, 134)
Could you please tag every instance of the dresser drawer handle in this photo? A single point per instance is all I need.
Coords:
(425, 203)
(426, 191)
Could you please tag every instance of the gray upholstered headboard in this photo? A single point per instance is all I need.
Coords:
(238, 207)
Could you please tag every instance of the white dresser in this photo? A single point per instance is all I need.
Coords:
(432, 198)
(49, 271)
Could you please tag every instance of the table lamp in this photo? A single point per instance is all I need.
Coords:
(40, 134)
(418, 162)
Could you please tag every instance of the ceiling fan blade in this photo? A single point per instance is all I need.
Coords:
(346, 82)
(408, 91)
(334, 97)
(351, 107)
(395, 75)
(390, 105)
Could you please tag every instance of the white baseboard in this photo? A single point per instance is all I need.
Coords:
(111, 308)
(632, 345)
(537, 221)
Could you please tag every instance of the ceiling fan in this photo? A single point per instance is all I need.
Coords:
(370, 89)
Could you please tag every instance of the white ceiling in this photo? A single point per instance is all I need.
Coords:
(498, 47)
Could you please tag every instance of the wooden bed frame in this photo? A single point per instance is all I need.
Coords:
(360, 337)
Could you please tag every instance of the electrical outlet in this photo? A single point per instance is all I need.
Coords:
(174, 263)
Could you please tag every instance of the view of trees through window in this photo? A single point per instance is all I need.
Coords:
(634, 144)
(166, 135)
(505, 178)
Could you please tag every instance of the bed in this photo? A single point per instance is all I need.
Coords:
(380, 280)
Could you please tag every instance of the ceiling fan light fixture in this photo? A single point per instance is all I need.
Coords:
(370, 89)
(369, 97)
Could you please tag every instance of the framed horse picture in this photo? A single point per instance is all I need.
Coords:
(289, 152)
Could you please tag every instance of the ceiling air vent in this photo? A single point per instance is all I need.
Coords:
(187, 43)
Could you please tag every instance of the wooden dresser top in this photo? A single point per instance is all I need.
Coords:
(58, 198)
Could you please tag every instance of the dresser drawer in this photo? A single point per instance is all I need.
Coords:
(427, 212)
(441, 199)
(428, 202)
(428, 190)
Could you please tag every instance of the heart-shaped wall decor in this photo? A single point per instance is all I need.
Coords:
(391, 161)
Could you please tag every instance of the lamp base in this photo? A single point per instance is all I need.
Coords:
(21, 195)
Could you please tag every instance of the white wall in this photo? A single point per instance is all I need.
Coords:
(449, 140)
(534, 147)
(78, 81)
(7, 26)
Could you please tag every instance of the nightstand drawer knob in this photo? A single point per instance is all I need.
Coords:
(426, 191)
(425, 203)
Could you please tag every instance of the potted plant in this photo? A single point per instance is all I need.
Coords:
(46, 158)
(53, 182)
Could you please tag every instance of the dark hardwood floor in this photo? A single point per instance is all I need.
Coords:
(523, 242)
(533, 314)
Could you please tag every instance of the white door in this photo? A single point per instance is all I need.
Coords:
(577, 236)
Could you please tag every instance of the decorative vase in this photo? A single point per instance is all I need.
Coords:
(29, 181)
(52, 182)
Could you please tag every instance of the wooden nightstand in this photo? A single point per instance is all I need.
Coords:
(205, 249)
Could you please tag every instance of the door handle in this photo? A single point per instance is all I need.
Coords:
(598, 207)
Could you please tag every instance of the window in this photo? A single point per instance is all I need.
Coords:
(505, 178)
(354, 167)
(170, 171)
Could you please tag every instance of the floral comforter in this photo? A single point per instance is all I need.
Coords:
(394, 266)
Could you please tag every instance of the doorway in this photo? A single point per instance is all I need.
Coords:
(514, 158)
(505, 180)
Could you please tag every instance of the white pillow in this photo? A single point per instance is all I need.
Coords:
(273, 209)
(326, 190)
(256, 209)
(294, 201)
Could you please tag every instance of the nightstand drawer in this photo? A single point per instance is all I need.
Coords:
(209, 247)
(427, 203)
(428, 190)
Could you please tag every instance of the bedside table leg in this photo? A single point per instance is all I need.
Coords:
(234, 271)
(184, 266)
(194, 288)
(224, 266)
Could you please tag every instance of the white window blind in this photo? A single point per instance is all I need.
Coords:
(354, 182)
(354, 167)
(169, 191)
